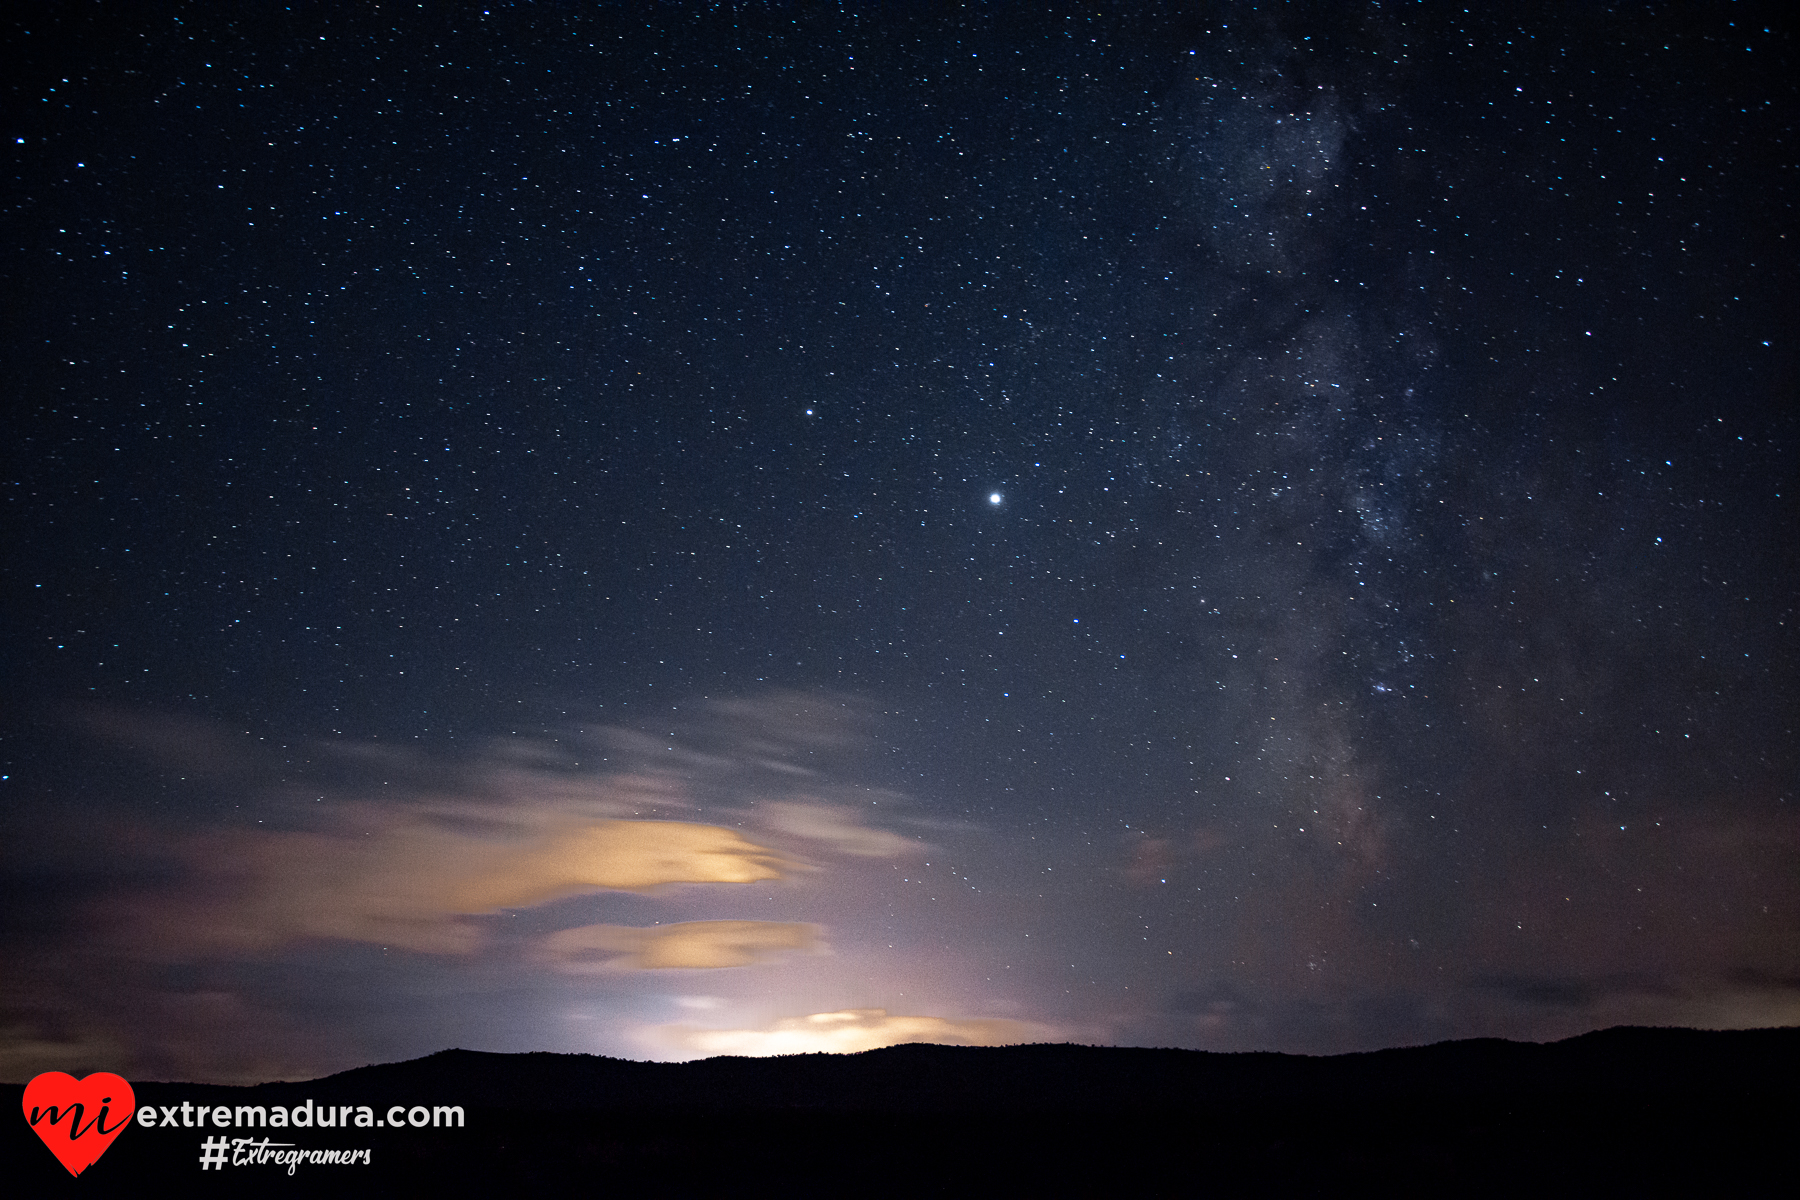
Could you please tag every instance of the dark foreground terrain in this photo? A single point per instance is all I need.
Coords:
(1620, 1112)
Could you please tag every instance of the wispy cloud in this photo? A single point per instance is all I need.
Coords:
(400, 848)
(194, 948)
(411, 881)
(838, 826)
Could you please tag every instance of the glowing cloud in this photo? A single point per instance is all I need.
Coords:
(694, 944)
(848, 1032)
(410, 883)
(626, 856)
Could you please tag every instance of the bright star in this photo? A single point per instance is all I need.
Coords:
(994, 497)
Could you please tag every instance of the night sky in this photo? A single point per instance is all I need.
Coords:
(662, 531)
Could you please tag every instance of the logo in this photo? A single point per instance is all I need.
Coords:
(75, 1117)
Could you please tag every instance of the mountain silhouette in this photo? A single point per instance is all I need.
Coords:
(1619, 1111)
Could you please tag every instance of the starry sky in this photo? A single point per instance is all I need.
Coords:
(665, 531)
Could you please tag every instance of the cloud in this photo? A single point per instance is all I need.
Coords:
(629, 856)
(592, 949)
(847, 1032)
(24, 1053)
(1744, 1000)
(838, 826)
(785, 723)
(411, 881)
(409, 847)
(186, 928)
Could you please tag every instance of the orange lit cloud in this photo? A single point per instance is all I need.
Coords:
(692, 944)
(848, 1032)
(406, 849)
(412, 882)
(627, 856)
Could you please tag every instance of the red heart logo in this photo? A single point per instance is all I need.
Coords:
(76, 1118)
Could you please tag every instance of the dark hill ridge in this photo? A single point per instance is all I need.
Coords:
(1612, 1112)
(928, 1078)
